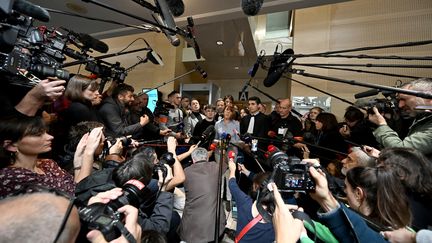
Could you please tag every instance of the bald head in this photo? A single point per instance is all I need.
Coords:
(285, 107)
(36, 217)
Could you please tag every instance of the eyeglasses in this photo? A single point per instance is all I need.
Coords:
(31, 188)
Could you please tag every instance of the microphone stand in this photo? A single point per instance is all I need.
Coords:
(150, 7)
(363, 56)
(363, 65)
(319, 90)
(222, 149)
(322, 91)
(416, 43)
(100, 4)
(364, 71)
(140, 27)
(103, 57)
(373, 86)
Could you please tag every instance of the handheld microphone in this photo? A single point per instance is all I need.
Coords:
(367, 93)
(226, 137)
(206, 135)
(201, 71)
(251, 7)
(280, 65)
(213, 147)
(31, 10)
(165, 18)
(245, 138)
(231, 155)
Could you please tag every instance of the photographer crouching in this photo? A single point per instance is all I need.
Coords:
(135, 175)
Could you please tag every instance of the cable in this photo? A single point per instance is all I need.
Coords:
(374, 86)
(363, 56)
(102, 20)
(415, 43)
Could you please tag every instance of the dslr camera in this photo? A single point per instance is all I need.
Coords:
(104, 217)
(125, 140)
(289, 174)
(166, 158)
(162, 108)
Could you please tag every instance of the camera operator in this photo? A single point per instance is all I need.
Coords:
(356, 128)
(46, 90)
(247, 211)
(420, 133)
(106, 154)
(282, 219)
(140, 165)
(174, 119)
(349, 226)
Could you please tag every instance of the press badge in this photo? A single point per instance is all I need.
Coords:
(282, 131)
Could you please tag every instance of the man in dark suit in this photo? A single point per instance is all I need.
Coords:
(256, 124)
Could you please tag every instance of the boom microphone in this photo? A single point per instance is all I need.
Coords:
(165, 18)
(191, 29)
(31, 10)
(367, 93)
(279, 67)
(93, 43)
(201, 71)
(251, 7)
(172, 38)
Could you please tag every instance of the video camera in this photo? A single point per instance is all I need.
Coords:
(162, 108)
(288, 173)
(107, 72)
(37, 50)
(383, 105)
(104, 217)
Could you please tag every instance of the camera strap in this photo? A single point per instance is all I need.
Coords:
(125, 232)
(245, 229)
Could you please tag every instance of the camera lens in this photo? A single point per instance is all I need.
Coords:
(134, 193)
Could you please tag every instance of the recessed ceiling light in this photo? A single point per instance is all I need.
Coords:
(236, 68)
(219, 43)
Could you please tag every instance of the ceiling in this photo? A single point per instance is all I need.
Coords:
(214, 20)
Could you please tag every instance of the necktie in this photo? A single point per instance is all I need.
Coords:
(251, 125)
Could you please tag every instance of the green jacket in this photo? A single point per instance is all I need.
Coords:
(419, 135)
